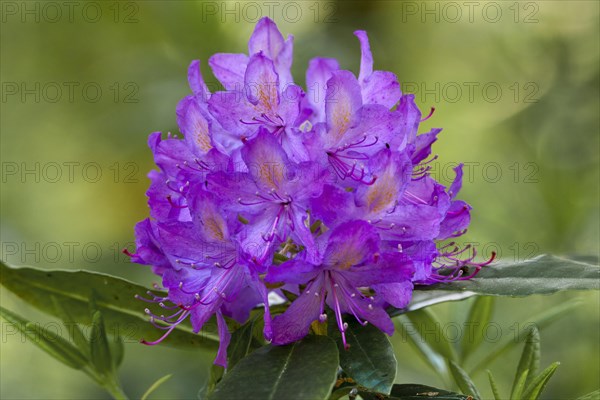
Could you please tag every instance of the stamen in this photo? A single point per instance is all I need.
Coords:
(340, 161)
(338, 313)
(170, 200)
(344, 170)
(128, 253)
(428, 116)
(463, 208)
(412, 198)
(154, 299)
(459, 267)
(170, 329)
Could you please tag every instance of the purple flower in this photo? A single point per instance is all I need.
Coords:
(272, 195)
(204, 270)
(324, 193)
(351, 263)
(352, 132)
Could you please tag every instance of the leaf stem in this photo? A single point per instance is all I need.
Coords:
(113, 387)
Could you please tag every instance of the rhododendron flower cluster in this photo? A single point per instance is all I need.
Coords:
(321, 193)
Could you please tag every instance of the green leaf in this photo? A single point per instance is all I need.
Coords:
(75, 332)
(99, 349)
(306, 369)
(52, 344)
(216, 374)
(426, 298)
(430, 356)
(339, 393)
(478, 319)
(595, 395)
(519, 386)
(123, 313)
(369, 359)
(542, 275)
(536, 387)
(530, 358)
(242, 343)
(463, 380)
(411, 391)
(430, 330)
(155, 386)
(117, 350)
(408, 391)
(494, 386)
(539, 322)
(289, 295)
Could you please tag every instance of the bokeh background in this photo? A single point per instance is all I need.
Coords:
(514, 83)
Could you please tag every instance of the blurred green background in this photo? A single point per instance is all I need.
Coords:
(515, 86)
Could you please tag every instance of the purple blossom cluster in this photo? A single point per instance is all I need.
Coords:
(323, 196)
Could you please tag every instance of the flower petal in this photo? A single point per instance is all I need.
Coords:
(457, 183)
(359, 306)
(422, 254)
(332, 204)
(457, 219)
(397, 294)
(411, 222)
(381, 88)
(423, 144)
(426, 191)
(302, 235)
(229, 69)
(351, 243)
(194, 125)
(294, 323)
(389, 267)
(170, 153)
(342, 105)
(224, 339)
(378, 124)
(248, 298)
(297, 271)
(196, 81)
(319, 71)
(148, 249)
(208, 217)
(266, 161)
(165, 204)
(183, 243)
(382, 196)
(291, 98)
(410, 116)
(366, 58)
(184, 283)
(231, 109)
(267, 38)
(262, 85)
